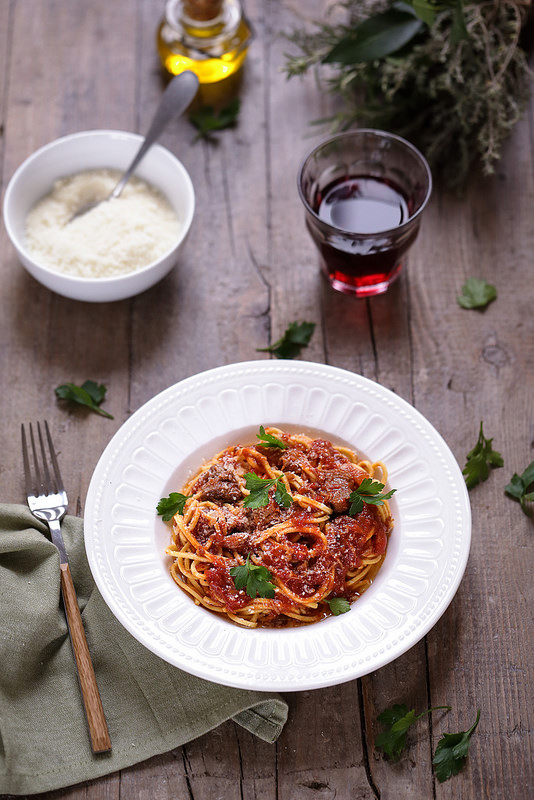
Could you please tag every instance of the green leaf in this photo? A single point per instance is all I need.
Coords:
(480, 459)
(521, 488)
(369, 491)
(390, 715)
(256, 579)
(268, 440)
(282, 496)
(297, 335)
(171, 505)
(259, 491)
(398, 719)
(89, 394)
(459, 28)
(376, 37)
(96, 391)
(338, 605)
(516, 487)
(206, 120)
(477, 293)
(240, 574)
(528, 475)
(427, 10)
(451, 752)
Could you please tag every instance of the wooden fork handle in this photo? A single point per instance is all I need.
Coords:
(98, 729)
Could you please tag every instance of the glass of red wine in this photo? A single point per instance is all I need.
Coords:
(364, 192)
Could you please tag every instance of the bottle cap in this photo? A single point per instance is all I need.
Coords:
(202, 10)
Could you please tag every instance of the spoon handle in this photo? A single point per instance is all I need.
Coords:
(174, 100)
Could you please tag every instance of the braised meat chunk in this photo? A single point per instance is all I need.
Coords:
(334, 488)
(218, 484)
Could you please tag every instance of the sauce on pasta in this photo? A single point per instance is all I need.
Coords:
(313, 549)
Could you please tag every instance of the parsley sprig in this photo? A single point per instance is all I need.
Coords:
(207, 120)
(254, 578)
(296, 336)
(338, 605)
(268, 440)
(89, 394)
(399, 720)
(480, 460)
(521, 488)
(369, 491)
(171, 505)
(477, 293)
(451, 752)
(259, 491)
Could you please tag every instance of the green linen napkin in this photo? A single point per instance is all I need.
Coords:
(151, 707)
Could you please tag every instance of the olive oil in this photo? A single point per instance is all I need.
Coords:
(210, 38)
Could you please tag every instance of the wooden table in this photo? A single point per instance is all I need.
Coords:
(249, 268)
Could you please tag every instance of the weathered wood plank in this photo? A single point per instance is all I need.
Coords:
(247, 270)
(488, 375)
(321, 752)
(210, 310)
(48, 337)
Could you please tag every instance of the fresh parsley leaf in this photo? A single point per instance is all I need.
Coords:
(89, 394)
(259, 491)
(171, 505)
(268, 440)
(398, 719)
(206, 120)
(480, 459)
(296, 336)
(338, 605)
(393, 741)
(282, 496)
(451, 752)
(477, 293)
(254, 578)
(369, 491)
(521, 487)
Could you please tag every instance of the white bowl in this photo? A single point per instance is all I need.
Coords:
(158, 448)
(95, 150)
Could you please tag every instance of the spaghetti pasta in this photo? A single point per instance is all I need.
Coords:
(300, 531)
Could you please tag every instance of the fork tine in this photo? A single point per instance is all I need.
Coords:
(30, 488)
(39, 484)
(47, 481)
(39, 478)
(55, 465)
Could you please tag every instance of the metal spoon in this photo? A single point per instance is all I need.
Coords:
(174, 100)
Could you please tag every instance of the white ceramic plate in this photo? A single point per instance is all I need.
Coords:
(170, 436)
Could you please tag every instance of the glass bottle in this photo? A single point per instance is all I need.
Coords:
(209, 37)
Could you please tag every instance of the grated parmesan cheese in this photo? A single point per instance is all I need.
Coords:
(116, 237)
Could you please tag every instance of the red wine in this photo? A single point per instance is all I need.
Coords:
(362, 205)
(370, 211)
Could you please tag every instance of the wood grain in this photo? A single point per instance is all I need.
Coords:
(248, 269)
(96, 720)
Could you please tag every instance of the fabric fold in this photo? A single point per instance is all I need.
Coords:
(151, 706)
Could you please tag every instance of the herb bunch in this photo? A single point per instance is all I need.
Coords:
(451, 76)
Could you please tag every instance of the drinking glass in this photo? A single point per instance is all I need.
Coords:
(364, 192)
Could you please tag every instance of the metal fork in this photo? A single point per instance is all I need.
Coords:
(48, 502)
